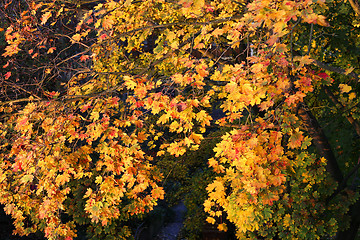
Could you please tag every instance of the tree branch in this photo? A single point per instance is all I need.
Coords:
(355, 5)
(343, 184)
(335, 69)
(351, 120)
(320, 141)
(351, 232)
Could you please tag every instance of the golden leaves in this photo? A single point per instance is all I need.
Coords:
(349, 70)
(257, 68)
(303, 60)
(62, 179)
(222, 227)
(11, 50)
(136, 94)
(251, 157)
(352, 96)
(76, 38)
(344, 88)
(45, 17)
(216, 192)
(176, 148)
(287, 220)
(129, 82)
(316, 19)
(203, 118)
(27, 178)
(54, 165)
(158, 193)
(192, 8)
(211, 220)
(108, 22)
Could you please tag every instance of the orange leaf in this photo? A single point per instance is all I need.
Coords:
(158, 193)
(84, 58)
(6, 65)
(76, 38)
(295, 140)
(51, 50)
(7, 75)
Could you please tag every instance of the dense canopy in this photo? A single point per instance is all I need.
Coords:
(248, 110)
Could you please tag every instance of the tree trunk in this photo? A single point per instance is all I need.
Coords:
(321, 142)
(324, 149)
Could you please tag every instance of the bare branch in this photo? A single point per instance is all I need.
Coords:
(335, 69)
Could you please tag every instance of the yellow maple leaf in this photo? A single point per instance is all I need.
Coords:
(158, 193)
(27, 178)
(160, 153)
(349, 70)
(108, 23)
(62, 179)
(256, 68)
(217, 32)
(352, 96)
(321, 20)
(198, 6)
(129, 82)
(303, 60)
(222, 227)
(210, 220)
(76, 38)
(344, 88)
(196, 138)
(45, 17)
(287, 220)
(207, 205)
(175, 149)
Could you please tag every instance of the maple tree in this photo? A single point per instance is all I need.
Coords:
(96, 95)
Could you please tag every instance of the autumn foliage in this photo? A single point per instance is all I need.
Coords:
(96, 94)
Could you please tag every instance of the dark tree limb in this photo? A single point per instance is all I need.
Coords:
(351, 232)
(355, 5)
(324, 149)
(335, 69)
(351, 120)
(343, 184)
(320, 141)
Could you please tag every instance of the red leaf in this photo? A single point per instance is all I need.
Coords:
(7, 75)
(102, 37)
(323, 75)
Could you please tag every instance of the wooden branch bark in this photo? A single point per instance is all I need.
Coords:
(335, 69)
(355, 5)
(320, 141)
(343, 184)
(351, 120)
(324, 149)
